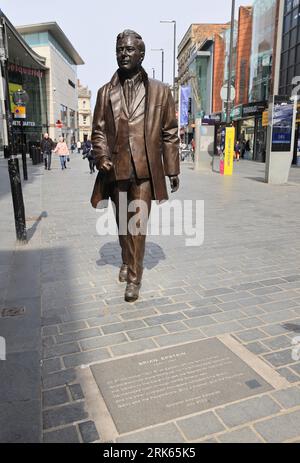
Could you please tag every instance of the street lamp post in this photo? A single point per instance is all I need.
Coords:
(230, 63)
(13, 162)
(162, 61)
(172, 21)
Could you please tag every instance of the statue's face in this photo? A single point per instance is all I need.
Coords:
(129, 56)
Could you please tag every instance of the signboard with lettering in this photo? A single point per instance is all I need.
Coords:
(236, 113)
(254, 109)
(265, 118)
(20, 112)
(156, 387)
(283, 110)
(12, 89)
(229, 150)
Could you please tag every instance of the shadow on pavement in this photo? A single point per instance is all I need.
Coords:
(110, 254)
(31, 231)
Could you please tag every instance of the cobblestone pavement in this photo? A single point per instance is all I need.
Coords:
(243, 281)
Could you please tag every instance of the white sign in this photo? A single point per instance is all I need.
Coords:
(224, 91)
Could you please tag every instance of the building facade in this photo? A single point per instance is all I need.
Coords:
(49, 41)
(256, 46)
(27, 71)
(195, 69)
(264, 34)
(84, 112)
(290, 62)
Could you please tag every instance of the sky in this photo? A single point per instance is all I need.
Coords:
(92, 27)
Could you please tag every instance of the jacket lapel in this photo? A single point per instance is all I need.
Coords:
(115, 95)
(139, 98)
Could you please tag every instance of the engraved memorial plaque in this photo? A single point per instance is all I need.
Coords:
(152, 388)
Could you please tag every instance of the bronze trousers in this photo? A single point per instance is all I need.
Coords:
(132, 244)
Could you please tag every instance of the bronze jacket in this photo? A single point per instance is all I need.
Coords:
(160, 135)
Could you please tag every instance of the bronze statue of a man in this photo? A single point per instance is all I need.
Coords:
(136, 146)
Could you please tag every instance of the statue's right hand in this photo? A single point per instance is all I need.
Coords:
(106, 166)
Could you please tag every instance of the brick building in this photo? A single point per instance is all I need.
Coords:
(243, 55)
(195, 35)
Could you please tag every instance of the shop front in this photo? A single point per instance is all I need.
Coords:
(26, 71)
(250, 130)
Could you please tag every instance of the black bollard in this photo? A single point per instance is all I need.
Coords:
(34, 155)
(17, 196)
(24, 162)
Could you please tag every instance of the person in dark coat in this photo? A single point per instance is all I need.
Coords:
(47, 146)
(136, 145)
(89, 154)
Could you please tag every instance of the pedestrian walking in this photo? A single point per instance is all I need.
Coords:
(193, 145)
(88, 154)
(47, 146)
(247, 154)
(78, 147)
(63, 152)
(237, 150)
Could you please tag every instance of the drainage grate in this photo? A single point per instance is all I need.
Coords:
(12, 312)
(253, 384)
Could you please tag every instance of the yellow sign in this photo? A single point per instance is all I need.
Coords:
(12, 89)
(20, 112)
(265, 118)
(229, 150)
(298, 113)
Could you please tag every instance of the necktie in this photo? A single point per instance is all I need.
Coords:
(129, 93)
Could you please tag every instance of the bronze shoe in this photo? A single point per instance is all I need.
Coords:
(123, 273)
(132, 292)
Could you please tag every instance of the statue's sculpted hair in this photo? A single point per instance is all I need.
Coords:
(138, 37)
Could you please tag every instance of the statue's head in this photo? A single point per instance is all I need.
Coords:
(130, 51)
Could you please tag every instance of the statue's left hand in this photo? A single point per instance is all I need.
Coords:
(174, 182)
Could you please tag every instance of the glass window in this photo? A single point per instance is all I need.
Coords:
(284, 60)
(288, 5)
(297, 71)
(64, 115)
(292, 55)
(287, 23)
(286, 42)
(293, 40)
(295, 17)
(295, 3)
(282, 78)
(290, 74)
(72, 118)
(263, 40)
